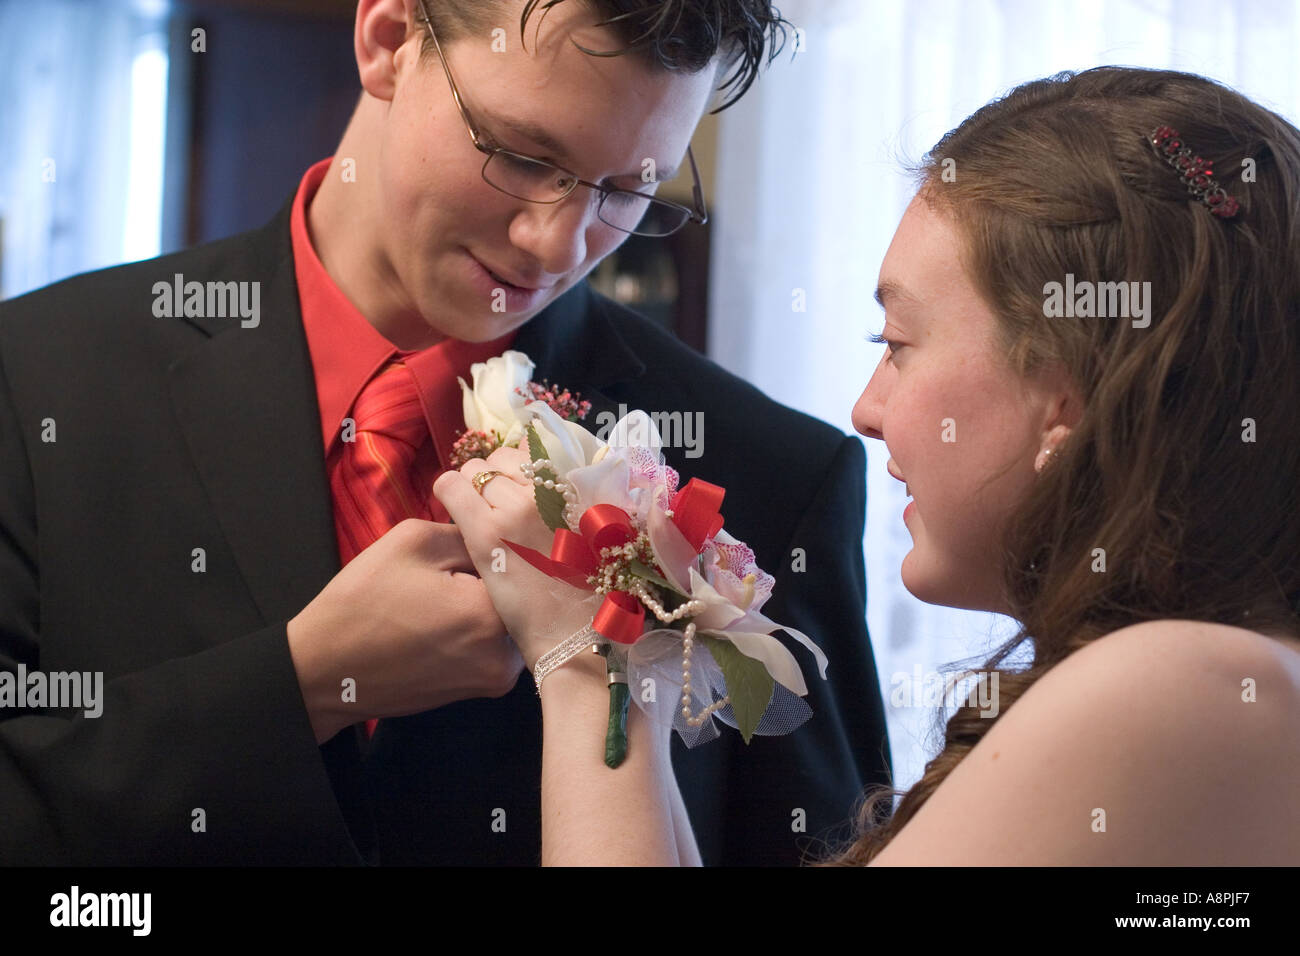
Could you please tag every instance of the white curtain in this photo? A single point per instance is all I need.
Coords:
(809, 189)
(65, 134)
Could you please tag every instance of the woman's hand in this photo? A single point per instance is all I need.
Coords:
(537, 610)
(591, 815)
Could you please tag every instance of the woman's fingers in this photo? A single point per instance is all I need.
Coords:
(507, 460)
(497, 487)
(470, 512)
(500, 507)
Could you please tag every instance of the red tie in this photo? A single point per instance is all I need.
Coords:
(386, 474)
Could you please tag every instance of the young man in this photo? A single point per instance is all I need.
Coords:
(208, 509)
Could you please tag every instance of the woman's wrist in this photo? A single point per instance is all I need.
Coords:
(579, 642)
(578, 693)
(583, 676)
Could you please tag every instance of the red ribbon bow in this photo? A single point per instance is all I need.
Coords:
(696, 512)
(576, 556)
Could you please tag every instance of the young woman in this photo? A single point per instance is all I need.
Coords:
(1092, 391)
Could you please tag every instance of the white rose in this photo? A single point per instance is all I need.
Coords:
(568, 445)
(636, 430)
(493, 404)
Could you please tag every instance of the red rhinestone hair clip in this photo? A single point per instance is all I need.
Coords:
(1196, 173)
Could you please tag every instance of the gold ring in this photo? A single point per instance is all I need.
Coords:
(482, 478)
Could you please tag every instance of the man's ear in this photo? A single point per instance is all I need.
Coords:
(381, 30)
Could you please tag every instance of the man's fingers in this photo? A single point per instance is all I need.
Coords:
(474, 599)
(447, 549)
(516, 660)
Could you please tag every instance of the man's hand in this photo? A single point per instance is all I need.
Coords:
(539, 611)
(408, 625)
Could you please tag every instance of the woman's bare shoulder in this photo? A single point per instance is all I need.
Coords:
(1190, 648)
(1165, 743)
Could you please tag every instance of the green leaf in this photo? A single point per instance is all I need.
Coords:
(749, 685)
(649, 573)
(550, 503)
(536, 450)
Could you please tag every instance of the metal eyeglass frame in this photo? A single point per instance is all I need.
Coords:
(697, 215)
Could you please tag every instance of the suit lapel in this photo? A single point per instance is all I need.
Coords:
(246, 401)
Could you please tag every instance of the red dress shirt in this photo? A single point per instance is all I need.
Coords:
(347, 351)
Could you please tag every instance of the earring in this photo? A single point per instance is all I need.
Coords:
(1041, 461)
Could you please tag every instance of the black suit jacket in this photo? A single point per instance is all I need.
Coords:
(171, 435)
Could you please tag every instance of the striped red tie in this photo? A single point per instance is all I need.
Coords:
(386, 474)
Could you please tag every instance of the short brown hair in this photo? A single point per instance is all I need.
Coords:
(676, 35)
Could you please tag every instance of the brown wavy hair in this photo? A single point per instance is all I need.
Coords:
(1197, 521)
(674, 35)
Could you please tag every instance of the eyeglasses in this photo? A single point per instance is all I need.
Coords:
(536, 180)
